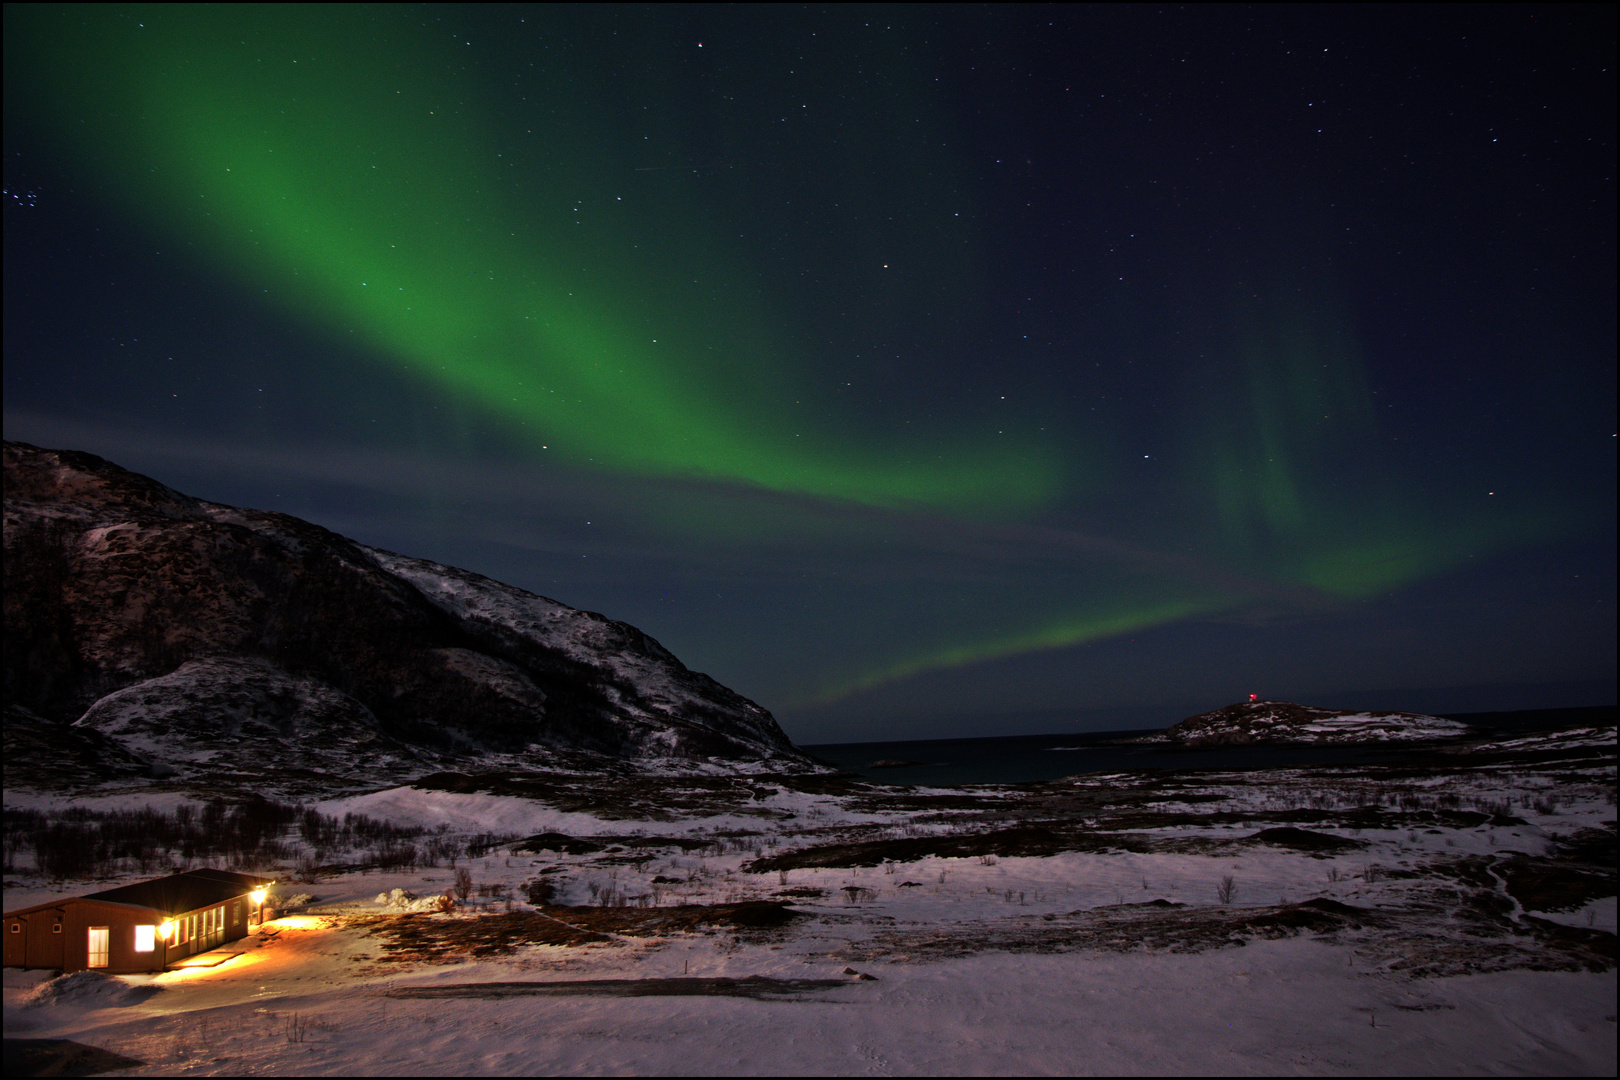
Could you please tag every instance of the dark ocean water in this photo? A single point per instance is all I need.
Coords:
(1017, 759)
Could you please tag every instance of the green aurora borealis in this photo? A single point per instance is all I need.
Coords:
(335, 173)
(609, 268)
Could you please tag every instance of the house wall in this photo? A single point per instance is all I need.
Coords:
(120, 920)
(38, 939)
(237, 913)
(234, 927)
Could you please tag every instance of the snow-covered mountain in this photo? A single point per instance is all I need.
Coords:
(1284, 722)
(148, 629)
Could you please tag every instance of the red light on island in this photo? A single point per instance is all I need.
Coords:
(1254, 697)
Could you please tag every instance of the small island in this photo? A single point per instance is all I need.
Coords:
(1286, 723)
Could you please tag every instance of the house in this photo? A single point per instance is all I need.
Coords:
(136, 928)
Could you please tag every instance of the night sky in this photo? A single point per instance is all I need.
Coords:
(917, 372)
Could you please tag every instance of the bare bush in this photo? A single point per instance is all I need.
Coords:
(440, 849)
(82, 842)
(1226, 889)
(393, 855)
(464, 883)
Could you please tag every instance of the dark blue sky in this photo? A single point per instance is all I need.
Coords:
(914, 371)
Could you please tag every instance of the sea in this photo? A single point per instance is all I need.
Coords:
(1017, 759)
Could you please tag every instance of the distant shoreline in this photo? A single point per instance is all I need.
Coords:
(1528, 718)
(1015, 759)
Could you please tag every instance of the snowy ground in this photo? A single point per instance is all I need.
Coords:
(1454, 916)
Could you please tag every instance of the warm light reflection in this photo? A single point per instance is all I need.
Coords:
(203, 964)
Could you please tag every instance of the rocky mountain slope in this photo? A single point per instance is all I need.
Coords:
(150, 632)
(1286, 723)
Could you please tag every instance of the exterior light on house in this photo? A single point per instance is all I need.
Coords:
(166, 931)
(257, 896)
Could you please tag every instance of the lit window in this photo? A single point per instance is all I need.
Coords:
(145, 938)
(98, 946)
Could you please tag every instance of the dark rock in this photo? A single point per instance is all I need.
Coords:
(62, 756)
(559, 842)
(1304, 839)
(803, 892)
(1551, 885)
(1335, 907)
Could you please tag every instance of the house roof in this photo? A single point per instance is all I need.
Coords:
(180, 893)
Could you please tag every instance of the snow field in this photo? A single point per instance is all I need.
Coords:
(961, 984)
(1275, 1007)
